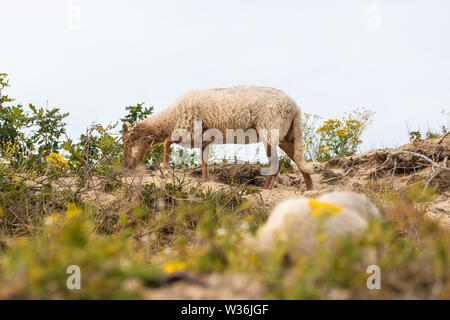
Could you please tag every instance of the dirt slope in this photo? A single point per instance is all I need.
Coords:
(369, 172)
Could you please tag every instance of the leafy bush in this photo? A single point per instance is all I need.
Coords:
(335, 137)
(12, 118)
(27, 136)
(137, 113)
(98, 151)
(415, 136)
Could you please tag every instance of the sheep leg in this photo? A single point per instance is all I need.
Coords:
(304, 167)
(288, 147)
(165, 164)
(270, 180)
(204, 162)
(308, 180)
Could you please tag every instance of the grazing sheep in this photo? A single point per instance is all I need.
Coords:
(303, 223)
(242, 108)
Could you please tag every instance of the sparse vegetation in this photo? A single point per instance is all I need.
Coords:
(65, 202)
(417, 135)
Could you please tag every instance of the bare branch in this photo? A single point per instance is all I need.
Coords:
(338, 177)
(443, 136)
(391, 181)
(435, 174)
(437, 165)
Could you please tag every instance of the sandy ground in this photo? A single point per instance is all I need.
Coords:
(361, 173)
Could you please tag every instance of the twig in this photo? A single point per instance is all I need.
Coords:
(338, 177)
(443, 136)
(436, 174)
(374, 172)
(391, 181)
(437, 165)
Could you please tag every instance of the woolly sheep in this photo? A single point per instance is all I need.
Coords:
(296, 221)
(241, 107)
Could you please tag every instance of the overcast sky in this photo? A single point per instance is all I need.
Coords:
(92, 58)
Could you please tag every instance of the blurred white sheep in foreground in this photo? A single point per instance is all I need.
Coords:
(303, 223)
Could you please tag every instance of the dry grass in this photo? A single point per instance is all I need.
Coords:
(146, 235)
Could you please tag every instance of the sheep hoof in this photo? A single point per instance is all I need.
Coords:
(270, 181)
(164, 169)
(308, 180)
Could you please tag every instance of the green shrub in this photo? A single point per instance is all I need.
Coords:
(27, 136)
(417, 135)
(137, 113)
(335, 137)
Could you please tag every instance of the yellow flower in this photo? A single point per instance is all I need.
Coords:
(2, 212)
(52, 219)
(110, 248)
(322, 237)
(173, 267)
(57, 161)
(319, 208)
(35, 273)
(72, 211)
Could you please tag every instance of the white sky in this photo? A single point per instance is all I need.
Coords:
(92, 58)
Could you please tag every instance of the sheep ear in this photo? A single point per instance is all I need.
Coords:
(125, 126)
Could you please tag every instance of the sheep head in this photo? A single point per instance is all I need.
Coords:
(136, 142)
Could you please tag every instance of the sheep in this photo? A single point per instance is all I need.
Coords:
(240, 108)
(303, 223)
